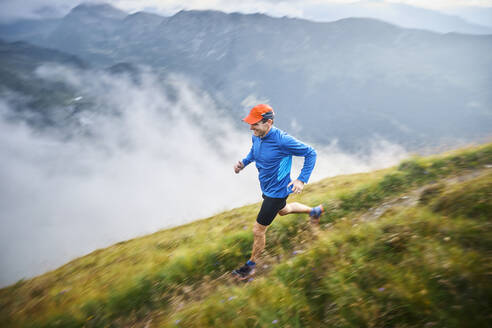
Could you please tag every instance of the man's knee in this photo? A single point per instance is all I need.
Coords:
(284, 211)
(259, 229)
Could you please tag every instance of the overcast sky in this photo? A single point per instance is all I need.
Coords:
(13, 9)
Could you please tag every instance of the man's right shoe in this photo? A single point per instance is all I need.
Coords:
(316, 213)
(244, 272)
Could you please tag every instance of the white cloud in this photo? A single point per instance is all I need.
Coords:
(251, 101)
(444, 4)
(332, 161)
(150, 163)
(13, 9)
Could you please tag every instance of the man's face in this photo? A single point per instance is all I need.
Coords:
(260, 129)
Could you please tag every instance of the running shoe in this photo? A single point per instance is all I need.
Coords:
(315, 213)
(244, 272)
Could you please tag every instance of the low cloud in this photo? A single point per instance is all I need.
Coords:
(153, 154)
(142, 162)
(333, 161)
(11, 10)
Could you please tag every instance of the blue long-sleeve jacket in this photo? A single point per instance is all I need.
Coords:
(273, 157)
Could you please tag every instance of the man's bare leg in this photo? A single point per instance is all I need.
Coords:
(259, 234)
(248, 269)
(259, 240)
(297, 208)
(259, 230)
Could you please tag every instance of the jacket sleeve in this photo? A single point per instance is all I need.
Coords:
(250, 157)
(294, 147)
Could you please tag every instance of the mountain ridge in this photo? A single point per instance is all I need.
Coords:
(311, 70)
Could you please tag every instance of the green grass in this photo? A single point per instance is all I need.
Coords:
(424, 264)
(412, 269)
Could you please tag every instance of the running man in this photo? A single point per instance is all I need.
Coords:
(272, 150)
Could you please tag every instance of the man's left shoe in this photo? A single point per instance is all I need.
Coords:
(244, 272)
(316, 213)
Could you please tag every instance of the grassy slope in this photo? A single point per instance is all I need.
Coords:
(421, 262)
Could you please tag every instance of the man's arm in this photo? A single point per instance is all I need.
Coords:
(238, 167)
(242, 164)
(297, 148)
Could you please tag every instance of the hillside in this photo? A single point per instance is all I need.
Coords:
(407, 246)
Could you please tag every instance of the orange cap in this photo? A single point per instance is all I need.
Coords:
(256, 114)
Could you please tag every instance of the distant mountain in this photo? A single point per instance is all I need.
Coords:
(476, 15)
(29, 30)
(350, 80)
(459, 21)
(18, 63)
(95, 11)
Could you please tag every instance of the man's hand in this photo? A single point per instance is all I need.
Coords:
(238, 167)
(297, 186)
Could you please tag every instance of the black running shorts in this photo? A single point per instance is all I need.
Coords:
(269, 209)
